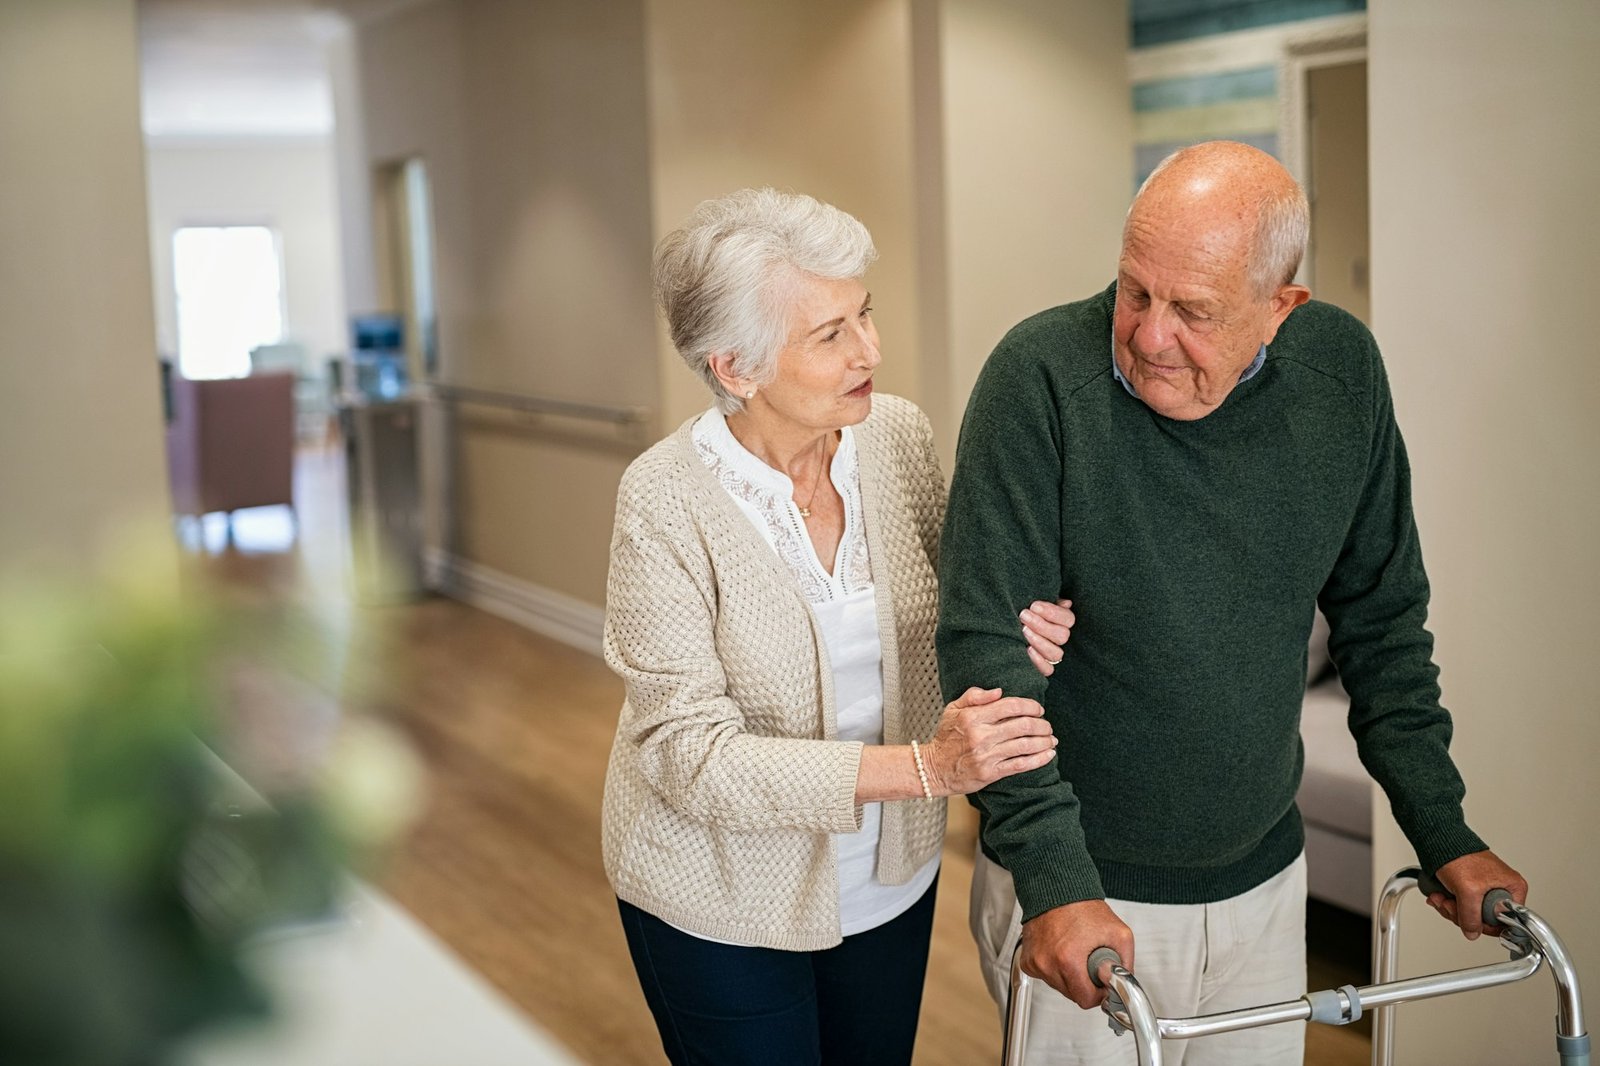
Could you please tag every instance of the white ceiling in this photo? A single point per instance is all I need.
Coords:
(235, 68)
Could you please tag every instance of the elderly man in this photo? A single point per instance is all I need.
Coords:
(1198, 457)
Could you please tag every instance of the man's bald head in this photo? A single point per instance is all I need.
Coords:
(1206, 275)
(1235, 195)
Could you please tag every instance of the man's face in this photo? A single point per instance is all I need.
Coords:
(1187, 321)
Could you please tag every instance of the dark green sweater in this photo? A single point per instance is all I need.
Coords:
(1194, 553)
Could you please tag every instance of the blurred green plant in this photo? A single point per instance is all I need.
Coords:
(135, 867)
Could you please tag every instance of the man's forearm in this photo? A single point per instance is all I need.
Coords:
(1001, 551)
(1031, 827)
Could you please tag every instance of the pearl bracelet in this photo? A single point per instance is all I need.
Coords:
(922, 771)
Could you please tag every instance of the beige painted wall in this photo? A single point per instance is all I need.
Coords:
(81, 447)
(532, 121)
(986, 146)
(410, 70)
(1484, 166)
(1037, 155)
(555, 133)
(556, 137)
(287, 184)
(342, 52)
(812, 97)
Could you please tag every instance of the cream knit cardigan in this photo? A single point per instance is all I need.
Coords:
(725, 780)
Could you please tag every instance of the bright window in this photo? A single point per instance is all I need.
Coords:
(229, 283)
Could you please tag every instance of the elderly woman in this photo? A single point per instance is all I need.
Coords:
(774, 804)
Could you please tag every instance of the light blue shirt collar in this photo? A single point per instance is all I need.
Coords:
(1249, 371)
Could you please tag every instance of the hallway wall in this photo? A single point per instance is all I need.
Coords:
(563, 141)
(1484, 166)
(986, 145)
(81, 447)
(1036, 161)
(812, 98)
(285, 183)
(531, 120)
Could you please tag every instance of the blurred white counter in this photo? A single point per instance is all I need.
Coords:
(377, 990)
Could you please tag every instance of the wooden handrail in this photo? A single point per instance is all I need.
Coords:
(621, 416)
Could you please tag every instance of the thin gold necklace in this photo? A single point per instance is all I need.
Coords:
(805, 512)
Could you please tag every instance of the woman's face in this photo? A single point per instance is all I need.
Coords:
(824, 378)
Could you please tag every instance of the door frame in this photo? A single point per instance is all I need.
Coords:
(1303, 53)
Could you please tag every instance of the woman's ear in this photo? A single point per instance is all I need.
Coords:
(721, 364)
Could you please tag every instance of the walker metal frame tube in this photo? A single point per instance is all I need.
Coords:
(1532, 942)
(1531, 938)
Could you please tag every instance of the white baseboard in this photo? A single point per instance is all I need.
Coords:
(568, 619)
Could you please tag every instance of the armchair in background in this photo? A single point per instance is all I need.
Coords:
(314, 414)
(230, 444)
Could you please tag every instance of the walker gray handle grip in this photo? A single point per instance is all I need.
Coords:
(1098, 956)
(1428, 885)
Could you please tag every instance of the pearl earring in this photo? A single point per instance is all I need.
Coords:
(750, 395)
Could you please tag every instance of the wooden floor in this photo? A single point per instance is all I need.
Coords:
(505, 864)
(506, 867)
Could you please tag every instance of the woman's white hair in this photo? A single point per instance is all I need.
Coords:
(725, 277)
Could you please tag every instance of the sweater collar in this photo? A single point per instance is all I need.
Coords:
(869, 462)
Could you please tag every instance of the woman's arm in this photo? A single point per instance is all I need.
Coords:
(686, 736)
(690, 740)
(981, 738)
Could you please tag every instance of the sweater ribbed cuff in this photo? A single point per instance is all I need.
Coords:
(845, 813)
(1439, 833)
(1052, 876)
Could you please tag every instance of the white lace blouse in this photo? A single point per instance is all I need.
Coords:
(766, 496)
(845, 606)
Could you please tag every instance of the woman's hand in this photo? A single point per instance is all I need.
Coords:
(983, 737)
(1047, 627)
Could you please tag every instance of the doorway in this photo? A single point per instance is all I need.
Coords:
(404, 246)
(1336, 111)
(1323, 92)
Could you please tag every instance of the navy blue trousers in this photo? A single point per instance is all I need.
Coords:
(721, 1005)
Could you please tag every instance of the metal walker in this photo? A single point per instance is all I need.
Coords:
(1530, 940)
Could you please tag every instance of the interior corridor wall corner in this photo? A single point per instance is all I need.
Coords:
(530, 118)
(1034, 171)
(988, 146)
(81, 442)
(1484, 165)
(807, 97)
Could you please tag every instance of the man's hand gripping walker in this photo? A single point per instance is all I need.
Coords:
(1530, 940)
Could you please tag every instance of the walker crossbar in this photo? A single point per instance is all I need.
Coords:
(1532, 944)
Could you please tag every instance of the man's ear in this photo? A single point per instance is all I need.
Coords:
(1286, 299)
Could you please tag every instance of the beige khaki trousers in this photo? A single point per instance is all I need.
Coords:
(1191, 958)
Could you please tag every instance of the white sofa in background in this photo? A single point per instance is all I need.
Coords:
(1336, 793)
(1335, 801)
